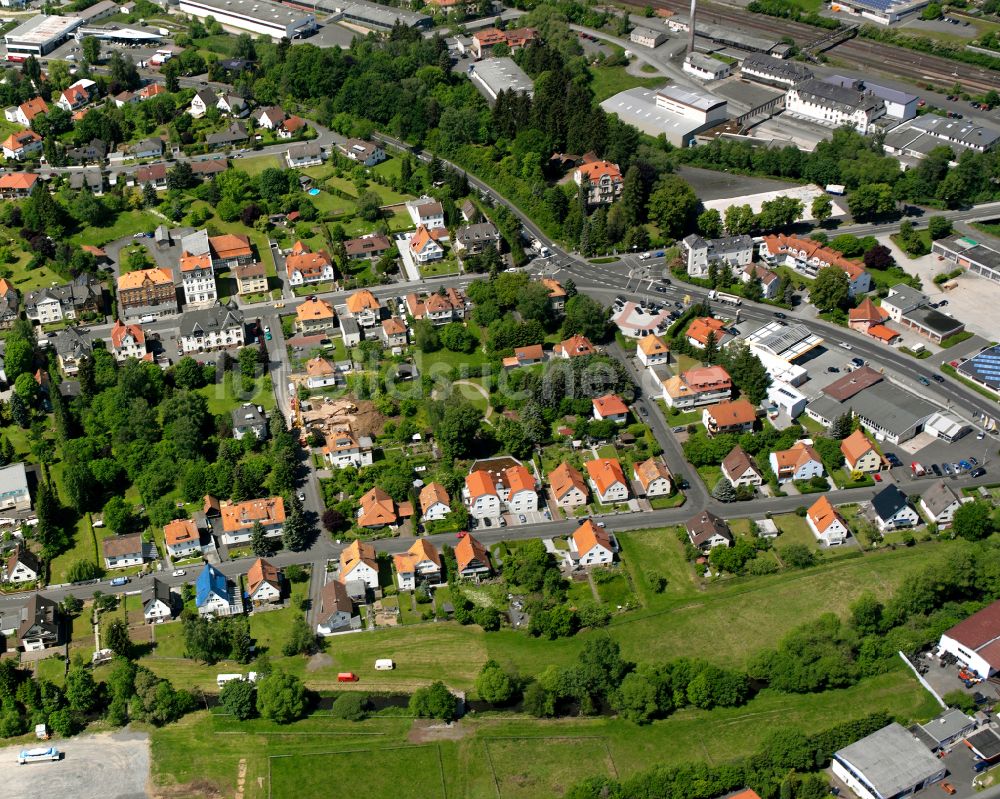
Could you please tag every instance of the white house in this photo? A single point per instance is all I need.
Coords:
(420, 563)
(480, 495)
(157, 603)
(423, 247)
(737, 251)
(568, 487)
(434, 502)
(306, 154)
(182, 538)
(21, 567)
(203, 100)
(591, 545)
(522, 497)
(654, 477)
(263, 583)
(891, 510)
(939, 503)
(127, 341)
(610, 408)
(707, 531)
(607, 480)
(426, 212)
(860, 454)
(652, 351)
(365, 152)
(320, 373)
(799, 462)
(336, 611)
(122, 551)
(213, 593)
(740, 469)
(826, 523)
(343, 449)
(198, 279)
(833, 105)
(211, 328)
(358, 564)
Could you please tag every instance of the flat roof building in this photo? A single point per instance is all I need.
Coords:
(766, 69)
(886, 764)
(40, 34)
(374, 15)
(884, 12)
(644, 109)
(788, 342)
(494, 75)
(971, 255)
(705, 67)
(256, 16)
(917, 137)
(695, 104)
(983, 368)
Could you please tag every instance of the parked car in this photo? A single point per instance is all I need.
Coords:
(667, 281)
(936, 469)
(946, 467)
(878, 477)
(973, 461)
(832, 369)
(780, 315)
(522, 518)
(267, 333)
(948, 788)
(179, 572)
(977, 472)
(893, 459)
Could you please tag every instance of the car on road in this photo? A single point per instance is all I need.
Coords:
(683, 485)
(178, 572)
(678, 429)
(937, 378)
(780, 315)
(302, 497)
(923, 380)
(666, 281)
(660, 289)
(267, 333)
(522, 518)
(678, 304)
(645, 256)
(643, 411)
(979, 472)
(846, 346)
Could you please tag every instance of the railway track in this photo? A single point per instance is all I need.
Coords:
(884, 59)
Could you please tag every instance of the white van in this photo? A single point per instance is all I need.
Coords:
(384, 664)
(222, 679)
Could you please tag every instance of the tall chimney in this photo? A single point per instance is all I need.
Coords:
(694, 8)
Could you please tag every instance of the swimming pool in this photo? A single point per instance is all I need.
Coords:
(314, 192)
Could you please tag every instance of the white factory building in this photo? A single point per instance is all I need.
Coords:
(255, 16)
(832, 105)
(40, 35)
(674, 111)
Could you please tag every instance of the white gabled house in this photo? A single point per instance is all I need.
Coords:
(826, 523)
(157, 603)
(590, 545)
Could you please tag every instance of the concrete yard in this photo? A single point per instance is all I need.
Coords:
(755, 201)
(108, 765)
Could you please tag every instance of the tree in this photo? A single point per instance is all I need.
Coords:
(82, 692)
(434, 701)
(747, 372)
(493, 684)
(938, 227)
(710, 223)
(90, 46)
(350, 706)
(879, 257)
(302, 640)
(369, 206)
(831, 288)
(118, 516)
(673, 205)
(972, 521)
(239, 697)
(724, 490)
(539, 701)
(960, 700)
(281, 697)
(636, 699)
(931, 11)
(19, 357)
(295, 532)
(333, 520)
(822, 208)
(425, 336)
(740, 220)
(180, 176)
(798, 556)
(871, 200)
(116, 638)
(260, 544)
(458, 430)
(586, 317)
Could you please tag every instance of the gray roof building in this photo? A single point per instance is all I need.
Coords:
(837, 98)
(374, 15)
(478, 235)
(249, 419)
(495, 75)
(889, 762)
(208, 321)
(947, 728)
(767, 69)
(938, 497)
(884, 409)
(977, 258)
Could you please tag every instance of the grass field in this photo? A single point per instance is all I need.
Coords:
(223, 397)
(608, 81)
(257, 164)
(566, 762)
(82, 549)
(125, 224)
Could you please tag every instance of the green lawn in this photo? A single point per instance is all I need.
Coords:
(82, 549)
(608, 81)
(125, 224)
(224, 397)
(566, 762)
(446, 266)
(52, 669)
(257, 164)
(795, 530)
(617, 593)
(427, 361)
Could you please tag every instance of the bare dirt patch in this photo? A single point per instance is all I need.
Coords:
(424, 731)
(200, 788)
(318, 662)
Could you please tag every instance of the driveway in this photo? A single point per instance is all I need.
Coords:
(109, 765)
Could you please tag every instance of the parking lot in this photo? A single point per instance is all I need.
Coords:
(109, 765)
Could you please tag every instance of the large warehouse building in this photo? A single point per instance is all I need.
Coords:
(373, 15)
(39, 35)
(886, 764)
(255, 16)
(976, 641)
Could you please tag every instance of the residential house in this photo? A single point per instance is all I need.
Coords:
(9, 303)
(741, 469)
(123, 99)
(525, 356)
(304, 266)
(146, 148)
(292, 127)
(471, 557)
(17, 185)
(214, 595)
(706, 531)
(364, 307)
(702, 385)
(424, 248)
(358, 568)
(569, 489)
(198, 280)
(203, 100)
(652, 351)
(420, 563)
(799, 462)
(269, 117)
(336, 611)
(249, 419)
(302, 155)
(74, 96)
(97, 151)
(807, 257)
(704, 327)
(21, 145)
(53, 304)
(21, 566)
(591, 545)
(826, 523)
(439, 307)
(434, 502)
(183, 539)
(212, 329)
(250, 279)
(315, 316)
(209, 169)
(911, 308)
(654, 477)
(14, 491)
(522, 495)
(320, 373)
(485, 40)
(737, 416)
(860, 454)
(379, 510)
(151, 90)
(372, 246)
(890, 509)
(602, 180)
(127, 341)
(232, 135)
(72, 348)
(469, 212)
(393, 333)
(574, 347)
(426, 212)
(239, 518)
(343, 449)
(870, 319)
(41, 625)
(154, 175)
(25, 113)
(939, 503)
(147, 292)
(557, 295)
(610, 408)
(364, 152)
(769, 281)
(607, 480)
(157, 602)
(473, 239)
(263, 583)
(232, 105)
(481, 496)
(122, 551)
(736, 251)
